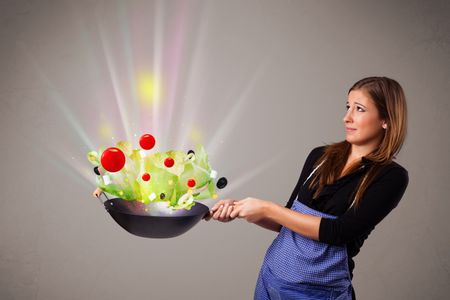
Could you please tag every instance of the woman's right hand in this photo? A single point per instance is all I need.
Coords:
(221, 211)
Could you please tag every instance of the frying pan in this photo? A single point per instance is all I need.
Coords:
(154, 220)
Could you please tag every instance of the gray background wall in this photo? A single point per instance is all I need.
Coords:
(263, 81)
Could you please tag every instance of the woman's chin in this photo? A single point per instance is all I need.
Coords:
(350, 140)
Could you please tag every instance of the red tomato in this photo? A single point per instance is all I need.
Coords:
(191, 183)
(113, 159)
(146, 177)
(147, 141)
(169, 162)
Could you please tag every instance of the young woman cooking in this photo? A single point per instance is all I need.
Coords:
(345, 189)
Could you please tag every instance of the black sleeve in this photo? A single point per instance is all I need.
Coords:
(313, 156)
(380, 198)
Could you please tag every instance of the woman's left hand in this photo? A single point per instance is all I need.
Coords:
(251, 209)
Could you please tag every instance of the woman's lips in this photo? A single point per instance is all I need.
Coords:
(350, 129)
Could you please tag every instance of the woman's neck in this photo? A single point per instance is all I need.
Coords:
(358, 151)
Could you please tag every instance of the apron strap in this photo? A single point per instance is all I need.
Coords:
(313, 171)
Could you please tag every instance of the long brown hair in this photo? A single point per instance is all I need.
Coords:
(390, 101)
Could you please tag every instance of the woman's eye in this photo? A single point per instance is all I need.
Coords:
(360, 108)
(347, 107)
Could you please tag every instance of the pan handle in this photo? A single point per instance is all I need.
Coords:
(100, 198)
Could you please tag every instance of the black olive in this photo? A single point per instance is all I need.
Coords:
(191, 151)
(97, 171)
(162, 196)
(221, 183)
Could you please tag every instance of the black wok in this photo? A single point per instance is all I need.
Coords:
(154, 220)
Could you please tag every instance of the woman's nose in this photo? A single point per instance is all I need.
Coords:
(347, 117)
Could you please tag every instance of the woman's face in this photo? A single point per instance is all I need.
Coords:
(363, 125)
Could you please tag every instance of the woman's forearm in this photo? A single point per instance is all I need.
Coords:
(269, 224)
(306, 225)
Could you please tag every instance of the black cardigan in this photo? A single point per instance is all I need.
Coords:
(351, 227)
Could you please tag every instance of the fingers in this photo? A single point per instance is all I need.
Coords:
(223, 213)
(222, 202)
(217, 205)
(217, 214)
(235, 212)
(226, 216)
(240, 202)
(224, 210)
(230, 209)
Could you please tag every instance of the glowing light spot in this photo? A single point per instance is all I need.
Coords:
(214, 196)
(105, 129)
(170, 182)
(196, 135)
(121, 193)
(149, 88)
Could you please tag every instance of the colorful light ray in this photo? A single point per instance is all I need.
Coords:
(149, 89)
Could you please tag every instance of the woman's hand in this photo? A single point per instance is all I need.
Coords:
(251, 209)
(221, 211)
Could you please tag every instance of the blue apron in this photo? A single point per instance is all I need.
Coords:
(297, 267)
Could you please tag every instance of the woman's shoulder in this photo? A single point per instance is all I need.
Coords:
(395, 167)
(394, 171)
(317, 152)
(313, 157)
(398, 166)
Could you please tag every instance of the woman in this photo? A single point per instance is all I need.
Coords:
(344, 190)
